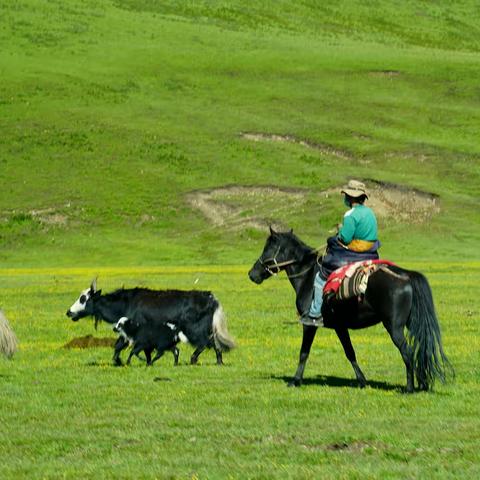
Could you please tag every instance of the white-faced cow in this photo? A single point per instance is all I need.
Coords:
(196, 313)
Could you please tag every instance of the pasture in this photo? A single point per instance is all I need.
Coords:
(70, 413)
(152, 144)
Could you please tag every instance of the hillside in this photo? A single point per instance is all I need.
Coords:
(117, 117)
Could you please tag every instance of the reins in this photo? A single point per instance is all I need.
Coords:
(279, 265)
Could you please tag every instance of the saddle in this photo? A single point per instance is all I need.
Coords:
(351, 280)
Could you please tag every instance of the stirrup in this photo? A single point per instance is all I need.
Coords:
(311, 321)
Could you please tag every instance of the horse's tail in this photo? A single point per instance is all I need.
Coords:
(429, 359)
(8, 340)
(223, 340)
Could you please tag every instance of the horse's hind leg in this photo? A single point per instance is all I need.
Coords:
(344, 338)
(398, 338)
(308, 336)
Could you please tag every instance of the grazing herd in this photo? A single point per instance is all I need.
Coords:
(156, 320)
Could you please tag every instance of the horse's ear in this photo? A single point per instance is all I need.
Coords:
(272, 231)
(93, 286)
(291, 230)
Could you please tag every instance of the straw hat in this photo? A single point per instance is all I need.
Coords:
(354, 189)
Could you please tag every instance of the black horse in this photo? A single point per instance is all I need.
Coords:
(396, 297)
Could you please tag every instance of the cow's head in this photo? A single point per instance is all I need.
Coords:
(83, 307)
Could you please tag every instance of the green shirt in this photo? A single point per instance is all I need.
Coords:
(359, 223)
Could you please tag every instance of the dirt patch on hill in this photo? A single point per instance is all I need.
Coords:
(89, 341)
(237, 207)
(322, 148)
(400, 203)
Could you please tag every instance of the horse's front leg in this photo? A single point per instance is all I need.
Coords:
(308, 336)
(344, 338)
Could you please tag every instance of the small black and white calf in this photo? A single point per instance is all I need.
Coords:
(149, 337)
(197, 314)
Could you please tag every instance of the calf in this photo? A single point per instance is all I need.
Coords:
(196, 313)
(148, 337)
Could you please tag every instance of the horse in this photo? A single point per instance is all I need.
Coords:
(8, 340)
(395, 297)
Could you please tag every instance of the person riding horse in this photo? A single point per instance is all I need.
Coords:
(356, 240)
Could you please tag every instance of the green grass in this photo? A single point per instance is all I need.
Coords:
(68, 413)
(112, 112)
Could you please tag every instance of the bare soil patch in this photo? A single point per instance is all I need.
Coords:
(89, 341)
(237, 207)
(322, 148)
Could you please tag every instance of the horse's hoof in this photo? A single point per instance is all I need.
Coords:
(362, 385)
(294, 383)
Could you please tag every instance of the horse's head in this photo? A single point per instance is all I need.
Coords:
(279, 252)
(83, 306)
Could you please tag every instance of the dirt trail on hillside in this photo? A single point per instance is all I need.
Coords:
(237, 207)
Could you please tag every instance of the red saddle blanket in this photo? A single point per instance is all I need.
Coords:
(353, 277)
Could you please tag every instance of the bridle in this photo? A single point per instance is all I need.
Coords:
(274, 264)
(268, 267)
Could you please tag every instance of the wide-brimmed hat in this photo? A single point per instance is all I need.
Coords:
(355, 189)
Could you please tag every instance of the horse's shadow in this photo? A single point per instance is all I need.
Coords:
(339, 382)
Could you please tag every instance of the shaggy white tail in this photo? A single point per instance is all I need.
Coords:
(8, 340)
(223, 340)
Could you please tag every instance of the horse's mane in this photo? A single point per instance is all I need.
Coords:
(304, 249)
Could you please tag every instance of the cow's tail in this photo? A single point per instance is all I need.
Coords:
(8, 340)
(430, 361)
(223, 341)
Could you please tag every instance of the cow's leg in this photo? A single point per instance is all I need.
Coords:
(308, 336)
(157, 356)
(219, 356)
(195, 355)
(148, 355)
(120, 345)
(132, 352)
(136, 349)
(344, 338)
(176, 353)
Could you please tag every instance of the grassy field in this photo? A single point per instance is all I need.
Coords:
(115, 114)
(70, 413)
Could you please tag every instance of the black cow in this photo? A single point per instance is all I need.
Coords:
(196, 313)
(148, 337)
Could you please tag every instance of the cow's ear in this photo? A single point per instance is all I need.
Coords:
(272, 231)
(93, 286)
(291, 230)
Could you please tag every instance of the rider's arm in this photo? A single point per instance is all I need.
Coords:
(345, 234)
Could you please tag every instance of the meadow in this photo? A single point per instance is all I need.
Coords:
(68, 413)
(119, 118)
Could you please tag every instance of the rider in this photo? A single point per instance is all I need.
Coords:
(356, 240)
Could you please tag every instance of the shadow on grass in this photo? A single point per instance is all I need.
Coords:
(331, 381)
